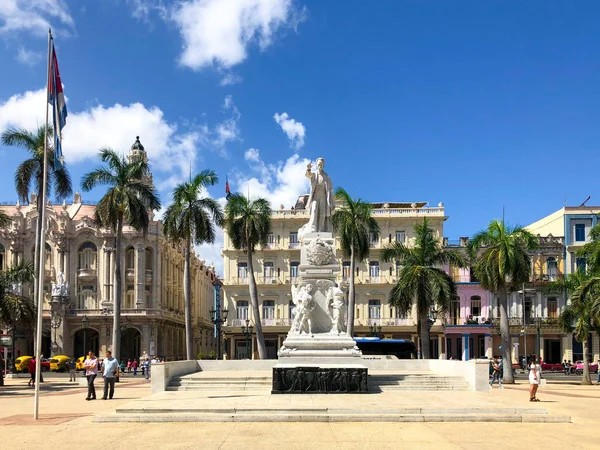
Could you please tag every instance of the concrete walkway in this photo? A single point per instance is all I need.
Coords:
(66, 415)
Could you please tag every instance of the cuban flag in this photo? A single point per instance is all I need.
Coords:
(56, 98)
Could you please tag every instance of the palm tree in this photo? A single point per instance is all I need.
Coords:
(5, 219)
(14, 308)
(31, 172)
(501, 266)
(583, 293)
(353, 223)
(130, 198)
(248, 224)
(192, 218)
(422, 280)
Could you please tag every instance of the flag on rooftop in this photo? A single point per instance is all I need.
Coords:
(56, 97)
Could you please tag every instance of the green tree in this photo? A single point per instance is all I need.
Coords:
(191, 218)
(353, 223)
(578, 316)
(248, 224)
(15, 309)
(502, 264)
(31, 173)
(5, 219)
(130, 198)
(422, 280)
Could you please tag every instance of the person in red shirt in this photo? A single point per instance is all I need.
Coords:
(31, 369)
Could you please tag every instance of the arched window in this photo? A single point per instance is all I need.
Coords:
(2, 257)
(551, 269)
(48, 257)
(129, 298)
(242, 309)
(86, 297)
(87, 256)
(476, 306)
(374, 309)
(130, 258)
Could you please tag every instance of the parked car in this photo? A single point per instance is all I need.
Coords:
(579, 367)
(79, 363)
(59, 363)
(552, 367)
(45, 364)
(21, 363)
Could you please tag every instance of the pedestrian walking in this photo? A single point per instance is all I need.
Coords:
(496, 373)
(129, 365)
(31, 367)
(146, 368)
(110, 372)
(72, 366)
(90, 365)
(134, 365)
(535, 372)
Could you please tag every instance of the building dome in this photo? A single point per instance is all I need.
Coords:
(137, 145)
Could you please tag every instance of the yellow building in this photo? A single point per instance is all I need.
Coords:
(276, 268)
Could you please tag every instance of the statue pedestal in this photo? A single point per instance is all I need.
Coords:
(318, 354)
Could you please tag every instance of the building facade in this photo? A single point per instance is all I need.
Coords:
(82, 256)
(276, 268)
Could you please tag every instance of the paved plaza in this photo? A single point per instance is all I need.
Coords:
(65, 415)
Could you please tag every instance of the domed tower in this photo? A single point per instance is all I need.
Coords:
(137, 151)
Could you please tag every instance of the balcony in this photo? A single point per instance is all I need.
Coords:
(294, 245)
(471, 320)
(292, 280)
(86, 274)
(270, 246)
(239, 281)
(379, 279)
(268, 322)
(268, 280)
(130, 275)
(148, 276)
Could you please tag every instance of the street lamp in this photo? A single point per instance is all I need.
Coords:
(374, 330)
(84, 324)
(218, 318)
(247, 331)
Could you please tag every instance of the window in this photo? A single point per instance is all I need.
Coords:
(374, 309)
(528, 310)
(401, 236)
(373, 239)
(580, 265)
(455, 312)
(551, 269)
(398, 269)
(294, 270)
(268, 309)
(346, 270)
(130, 298)
(552, 308)
(269, 272)
(2, 257)
(271, 239)
(476, 306)
(291, 311)
(374, 269)
(580, 232)
(87, 256)
(242, 309)
(242, 271)
(293, 238)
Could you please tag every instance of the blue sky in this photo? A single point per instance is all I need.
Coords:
(477, 104)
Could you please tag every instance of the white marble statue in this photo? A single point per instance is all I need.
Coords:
(60, 288)
(336, 300)
(304, 306)
(320, 202)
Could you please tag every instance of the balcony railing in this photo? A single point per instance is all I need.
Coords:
(292, 280)
(130, 274)
(294, 245)
(86, 273)
(379, 279)
(268, 280)
(148, 276)
(239, 280)
(268, 322)
(472, 320)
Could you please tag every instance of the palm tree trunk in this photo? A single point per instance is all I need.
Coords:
(351, 295)
(424, 335)
(187, 291)
(260, 339)
(118, 291)
(585, 378)
(507, 376)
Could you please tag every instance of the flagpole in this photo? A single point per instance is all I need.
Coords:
(42, 252)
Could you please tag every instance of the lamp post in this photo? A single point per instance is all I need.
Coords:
(84, 324)
(374, 330)
(247, 331)
(538, 340)
(218, 318)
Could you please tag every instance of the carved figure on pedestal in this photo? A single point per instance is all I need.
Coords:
(320, 201)
(303, 300)
(336, 300)
(60, 288)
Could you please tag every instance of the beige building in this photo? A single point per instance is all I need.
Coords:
(276, 268)
(152, 314)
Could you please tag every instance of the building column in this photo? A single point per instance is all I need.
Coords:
(567, 346)
(251, 356)
(489, 343)
(61, 261)
(140, 275)
(514, 343)
(67, 266)
(465, 347)
(441, 346)
(104, 340)
(541, 355)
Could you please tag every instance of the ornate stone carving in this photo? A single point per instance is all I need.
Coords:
(304, 307)
(318, 252)
(314, 379)
(336, 301)
(60, 288)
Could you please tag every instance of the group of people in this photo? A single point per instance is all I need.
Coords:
(110, 370)
(535, 375)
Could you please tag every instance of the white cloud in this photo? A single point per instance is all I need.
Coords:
(230, 78)
(218, 32)
(252, 155)
(34, 16)
(28, 57)
(117, 126)
(295, 130)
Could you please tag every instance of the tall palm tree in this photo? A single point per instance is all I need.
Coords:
(192, 218)
(501, 266)
(16, 309)
(353, 223)
(31, 172)
(422, 280)
(578, 317)
(130, 198)
(248, 224)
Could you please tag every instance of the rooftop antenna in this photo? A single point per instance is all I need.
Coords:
(585, 201)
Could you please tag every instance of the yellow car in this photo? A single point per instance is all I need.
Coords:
(79, 363)
(21, 363)
(58, 363)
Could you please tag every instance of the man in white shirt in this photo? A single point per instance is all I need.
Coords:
(110, 370)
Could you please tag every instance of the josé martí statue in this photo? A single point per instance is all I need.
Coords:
(320, 201)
